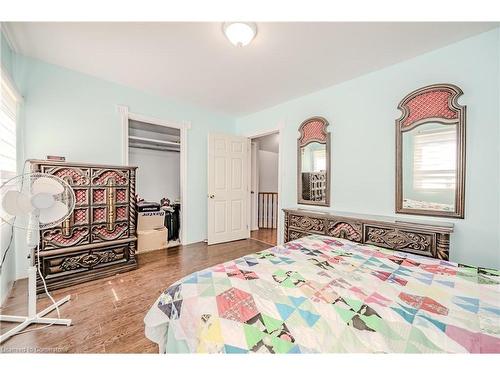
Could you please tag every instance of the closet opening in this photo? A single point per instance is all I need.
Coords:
(156, 151)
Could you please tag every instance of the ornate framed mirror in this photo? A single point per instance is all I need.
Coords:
(313, 162)
(430, 153)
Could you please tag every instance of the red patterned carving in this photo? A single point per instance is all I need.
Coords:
(430, 104)
(345, 230)
(313, 130)
(118, 178)
(72, 175)
(99, 214)
(99, 196)
(102, 233)
(80, 215)
(81, 196)
(121, 195)
(121, 213)
(55, 237)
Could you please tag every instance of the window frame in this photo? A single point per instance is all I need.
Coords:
(8, 85)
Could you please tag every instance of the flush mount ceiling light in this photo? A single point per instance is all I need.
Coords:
(240, 33)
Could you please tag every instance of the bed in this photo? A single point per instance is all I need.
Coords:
(320, 294)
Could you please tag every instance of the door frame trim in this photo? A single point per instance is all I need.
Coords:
(261, 133)
(183, 126)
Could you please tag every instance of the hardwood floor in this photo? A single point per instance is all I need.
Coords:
(108, 313)
(269, 236)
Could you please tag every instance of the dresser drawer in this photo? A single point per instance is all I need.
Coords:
(109, 177)
(71, 263)
(306, 223)
(74, 176)
(105, 232)
(421, 243)
(349, 230)
(54, 238)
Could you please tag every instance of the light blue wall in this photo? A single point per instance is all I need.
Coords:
(75, 115)
(361, 113)
(72, 114)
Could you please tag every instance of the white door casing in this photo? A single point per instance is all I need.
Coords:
(254, 186)
(227, 188)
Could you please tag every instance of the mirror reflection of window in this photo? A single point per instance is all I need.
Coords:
(319, 160)
(314, 157)
(430, 167)
(434, 160)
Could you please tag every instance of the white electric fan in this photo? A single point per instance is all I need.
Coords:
(35, 201)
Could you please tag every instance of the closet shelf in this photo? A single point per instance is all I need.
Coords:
(153, 142)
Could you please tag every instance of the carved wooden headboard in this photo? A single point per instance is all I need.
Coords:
(430, 239)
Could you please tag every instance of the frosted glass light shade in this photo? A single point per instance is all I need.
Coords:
(240, 33)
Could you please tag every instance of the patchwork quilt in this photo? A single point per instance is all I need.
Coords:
(320, 294)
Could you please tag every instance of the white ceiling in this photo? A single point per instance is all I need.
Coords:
(195, 63)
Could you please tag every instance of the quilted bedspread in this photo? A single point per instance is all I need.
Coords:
(322, 294)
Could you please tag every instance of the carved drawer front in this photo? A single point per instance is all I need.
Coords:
(350, 230)
(109, 177)
(58, 237)
(306, 223)
(83, 261)
(109, 231)
(398, 239)
(294, 234)
(74, 176)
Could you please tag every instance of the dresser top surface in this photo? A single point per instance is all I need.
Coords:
(78, 164)
(444, 226)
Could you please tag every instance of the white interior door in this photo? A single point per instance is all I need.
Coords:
(227, 188)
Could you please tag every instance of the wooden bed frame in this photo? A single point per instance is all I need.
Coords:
(430, 238)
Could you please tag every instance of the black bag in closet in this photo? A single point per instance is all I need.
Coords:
(172, 222)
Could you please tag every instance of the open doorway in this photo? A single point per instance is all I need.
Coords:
(264, 187)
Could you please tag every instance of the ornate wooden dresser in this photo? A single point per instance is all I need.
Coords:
(99, 238)
(430, 238)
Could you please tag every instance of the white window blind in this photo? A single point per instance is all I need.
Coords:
(319, 160)
(8, 117)
(434, 162)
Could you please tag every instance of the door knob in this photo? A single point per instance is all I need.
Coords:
(211, 196)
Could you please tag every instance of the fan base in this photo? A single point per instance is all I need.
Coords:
(36, 319)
